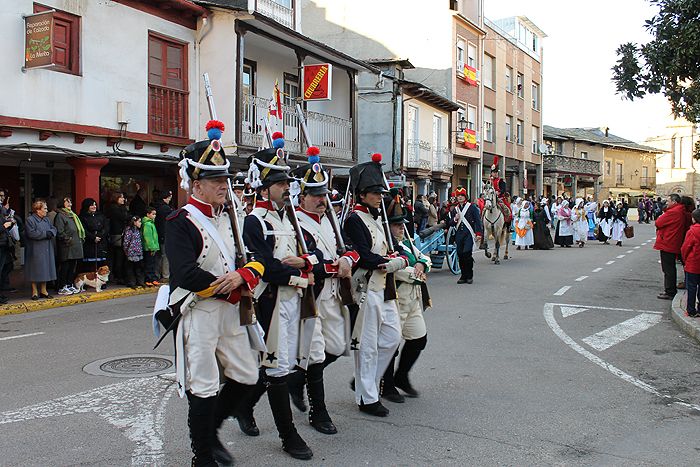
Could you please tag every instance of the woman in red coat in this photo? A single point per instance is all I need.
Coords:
(691, 259)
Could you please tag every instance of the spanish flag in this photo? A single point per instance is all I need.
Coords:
(470, 75)
(470, 139)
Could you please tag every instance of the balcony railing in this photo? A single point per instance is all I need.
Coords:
(167, 111)
(442, 160)
(647, 182)
(418, 156)
(333, 135)
(572, 165)
(619, 180)
(276, 11)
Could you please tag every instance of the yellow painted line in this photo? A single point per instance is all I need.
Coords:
(37, 305)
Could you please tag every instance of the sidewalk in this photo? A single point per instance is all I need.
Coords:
(24, 304)
(690, 326)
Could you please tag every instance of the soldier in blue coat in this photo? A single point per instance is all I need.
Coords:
(466, 217)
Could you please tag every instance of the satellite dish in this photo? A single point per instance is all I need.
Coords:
(544, 148)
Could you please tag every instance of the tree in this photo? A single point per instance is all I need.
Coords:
(668, 64)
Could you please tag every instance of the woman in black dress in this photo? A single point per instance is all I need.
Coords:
(543, 239)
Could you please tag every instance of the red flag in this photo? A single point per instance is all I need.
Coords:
(276, 102)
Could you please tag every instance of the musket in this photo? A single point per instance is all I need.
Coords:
(425, 293)
(390, 287)
(246, 306)
(345, 282)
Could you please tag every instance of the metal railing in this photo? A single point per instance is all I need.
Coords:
(619, 180)
(333, 135)
(418, 156)
(280, 13)
(647, 182)
(442, 160)
(167, 111)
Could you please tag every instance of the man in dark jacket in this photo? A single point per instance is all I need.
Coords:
(163, 210)
(420, 213)
(670, 232)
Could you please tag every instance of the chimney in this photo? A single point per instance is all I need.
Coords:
(605, 130)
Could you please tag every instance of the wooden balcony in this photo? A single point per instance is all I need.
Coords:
(572, 165)
(167, 111)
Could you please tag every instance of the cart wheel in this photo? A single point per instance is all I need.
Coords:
(452, 258)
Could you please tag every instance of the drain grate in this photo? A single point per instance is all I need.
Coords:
(130, 366)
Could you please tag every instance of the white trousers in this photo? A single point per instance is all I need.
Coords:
(287, 337)
(214, 337)
(380, 338)
(329, 331)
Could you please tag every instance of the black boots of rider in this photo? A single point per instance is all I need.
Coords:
(278, 395)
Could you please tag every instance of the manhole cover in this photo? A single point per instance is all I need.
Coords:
(130, 366)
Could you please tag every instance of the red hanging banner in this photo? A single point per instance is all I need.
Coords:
(317, 81)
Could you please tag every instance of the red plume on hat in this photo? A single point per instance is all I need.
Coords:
(495, 163)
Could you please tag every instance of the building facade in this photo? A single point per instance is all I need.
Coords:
(512, 81)
(676, 168)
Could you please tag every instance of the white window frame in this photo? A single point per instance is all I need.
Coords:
(509, 128)
(437, 132)
(535, 96)
(519, 128)
(416, 129)
(489, 133)
(520, 85)
(584, 154)
(471, 117)
(488, 70)
(509, 78)
(461, 47)
(472, 59)
(535, 140)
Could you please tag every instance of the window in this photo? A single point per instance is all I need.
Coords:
(519, 132)
(488, 125)
(509, 128)
(618, 173)
(645, 172)
(509, 79)
(535, 96)
(520, 85)
(535, 43)
(607, 167)
(167, 85)
(437, 133)
(535, 140)
(413, 134)
(460, 56)
(471, 117)
(461, 114)
(66, 40)
(248, 78)
(584, 154)
(471, 56)
(291, 89)
(488, 70)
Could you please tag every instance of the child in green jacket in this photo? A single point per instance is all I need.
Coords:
(150, 246)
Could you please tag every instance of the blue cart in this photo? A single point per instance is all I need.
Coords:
(438, 242)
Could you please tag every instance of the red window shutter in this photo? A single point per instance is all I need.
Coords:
(62, 43)
(167, 86)
(66, 37)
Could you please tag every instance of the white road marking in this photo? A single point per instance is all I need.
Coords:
(622, 331)
(629, 251)
(595, 307)
(21, 335)
(610, 262)
(563, 290)
(579, 279)
(549, 318)
(620, 256)
(597, 269)
(567, 311)
(637, 247)
(125, 319)
(136, 407)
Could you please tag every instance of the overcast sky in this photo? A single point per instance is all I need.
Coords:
(579, 52)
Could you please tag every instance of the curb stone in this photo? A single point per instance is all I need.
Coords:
(61, 301)
(690, 326)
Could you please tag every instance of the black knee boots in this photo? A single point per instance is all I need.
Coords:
(388, 389)
(278, 395)
(295, 382)
(200, 418)
(244, 411)
(318, 414)
(409, 354)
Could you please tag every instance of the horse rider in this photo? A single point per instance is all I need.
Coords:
(331, 334)
(205, 287)
(466, 218)
(270, 235)
(376, 333)
(409, 285)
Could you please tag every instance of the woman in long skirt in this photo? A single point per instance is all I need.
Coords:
(523, 227)
(564, 236)
(619, 224)
(580, 221)
(540, 230)
(605, 222)
(514, 208)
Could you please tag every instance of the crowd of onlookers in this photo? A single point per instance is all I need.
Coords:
(60, 243)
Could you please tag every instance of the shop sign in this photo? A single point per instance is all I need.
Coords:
(38, 43)
(317, 81)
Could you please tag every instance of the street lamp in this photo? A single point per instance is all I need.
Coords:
(462, 125)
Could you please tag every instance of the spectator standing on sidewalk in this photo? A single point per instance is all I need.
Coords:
(150, 246)
(70, 236)
(690, 250)
(420, 213)
(133, 250)
(96, 231)
(670, 231)
(40, 261)
(138, 205)
(117, 216)
(163, 210)
(432, 211)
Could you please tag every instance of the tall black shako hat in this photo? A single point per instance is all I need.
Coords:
(204, 159)
(396, 211)
(238, 181)
(368, 177)
(269, 166)
(312, 179)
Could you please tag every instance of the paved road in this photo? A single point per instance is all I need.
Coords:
(519, 370)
